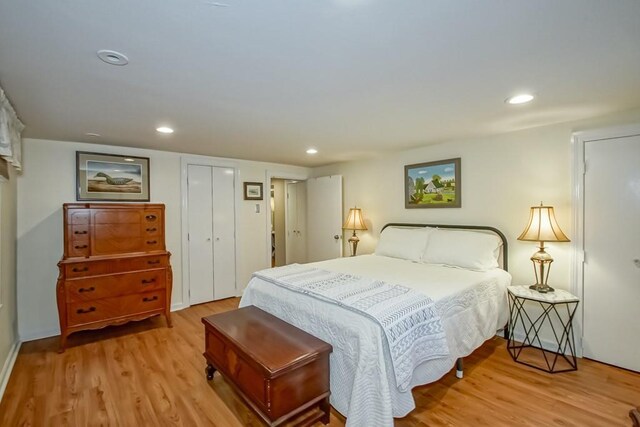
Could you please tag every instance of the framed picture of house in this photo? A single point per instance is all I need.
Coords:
(253, 191)
(432, 184)
(109, 177)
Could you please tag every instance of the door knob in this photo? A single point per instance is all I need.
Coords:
(337, 237)
(209, 239)
(637, 262)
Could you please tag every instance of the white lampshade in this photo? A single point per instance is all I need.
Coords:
(354, 220)
(543, 226)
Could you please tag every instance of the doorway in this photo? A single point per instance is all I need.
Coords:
(312, 219)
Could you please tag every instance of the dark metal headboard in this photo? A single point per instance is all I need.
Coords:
(505, 247)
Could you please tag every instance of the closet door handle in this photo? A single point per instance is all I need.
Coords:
(80, 270)
(91, 289)
(147, 299)
(148, 281)
(88, 310)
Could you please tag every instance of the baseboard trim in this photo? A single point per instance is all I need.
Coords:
(8, 367)
(179, 306)
(38, 335)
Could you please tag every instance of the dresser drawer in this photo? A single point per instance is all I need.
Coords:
(78, 247)
(80, 313)
(97, 268)
(113, 285)
(152, 216)
(78, 216)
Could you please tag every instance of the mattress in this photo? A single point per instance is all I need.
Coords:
(472, 306)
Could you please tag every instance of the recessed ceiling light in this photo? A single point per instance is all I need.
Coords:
(112, 57)
(93, 134)
(164, 129)
(522, 98)
(128, 159)
(312, 151)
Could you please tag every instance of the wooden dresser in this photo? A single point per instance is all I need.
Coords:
(115, 266)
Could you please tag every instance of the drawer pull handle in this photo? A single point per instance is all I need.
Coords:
(151, 242)
(151, 229)
(147, 299)
(80, 270)
(80, 232)
(150, 217)
(81, 247)
(91, 289)
(147, 281)
(88, 310)
(157, 261)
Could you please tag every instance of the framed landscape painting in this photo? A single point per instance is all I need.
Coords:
(432, 184)
(108, 177)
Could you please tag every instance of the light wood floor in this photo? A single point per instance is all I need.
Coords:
(144, 374)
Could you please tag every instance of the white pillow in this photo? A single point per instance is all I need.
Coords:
(404, 243)
(461, 248)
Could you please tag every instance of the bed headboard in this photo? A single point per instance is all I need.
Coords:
(504, 255)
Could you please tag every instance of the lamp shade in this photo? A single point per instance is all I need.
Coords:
(543, 226)
(354, 220)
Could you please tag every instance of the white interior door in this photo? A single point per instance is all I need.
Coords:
(612, 251)
(324, 214)
(211, 233)
(224, 230)
(296, 220)
(200, 193)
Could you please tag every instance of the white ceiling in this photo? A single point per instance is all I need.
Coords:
(265, 79)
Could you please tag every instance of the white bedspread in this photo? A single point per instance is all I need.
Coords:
(472, 306)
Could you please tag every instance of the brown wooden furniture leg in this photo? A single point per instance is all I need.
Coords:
(63, 343)
(326, 408)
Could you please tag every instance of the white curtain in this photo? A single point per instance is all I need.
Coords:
(10, 129)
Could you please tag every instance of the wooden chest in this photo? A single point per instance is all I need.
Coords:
(115, 267)
(278, 369)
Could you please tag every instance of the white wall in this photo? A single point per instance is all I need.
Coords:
(8, 306)
(502, 176)
(48, 181)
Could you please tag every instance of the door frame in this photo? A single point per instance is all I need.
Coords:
(579, 140)
(185, 161)
(278, 174)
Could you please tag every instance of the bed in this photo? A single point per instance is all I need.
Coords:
(462, 274)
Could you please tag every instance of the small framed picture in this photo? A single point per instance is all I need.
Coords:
(109, 177)
(433, 184)
(253, 191)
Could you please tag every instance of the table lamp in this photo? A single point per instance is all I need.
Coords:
(542, 227)
(354, 222)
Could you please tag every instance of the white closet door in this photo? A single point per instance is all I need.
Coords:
(324, 215)
(224, 240)
(612, 251)
(200, 195)
(296, 247)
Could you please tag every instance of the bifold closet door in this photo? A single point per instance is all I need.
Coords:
(224, 230)
(211, 207)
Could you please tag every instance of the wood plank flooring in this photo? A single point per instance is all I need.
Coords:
(144, 374)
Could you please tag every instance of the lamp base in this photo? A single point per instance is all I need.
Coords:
(353, 243)
(543, 289)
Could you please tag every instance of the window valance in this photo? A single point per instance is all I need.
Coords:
(10, 133)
